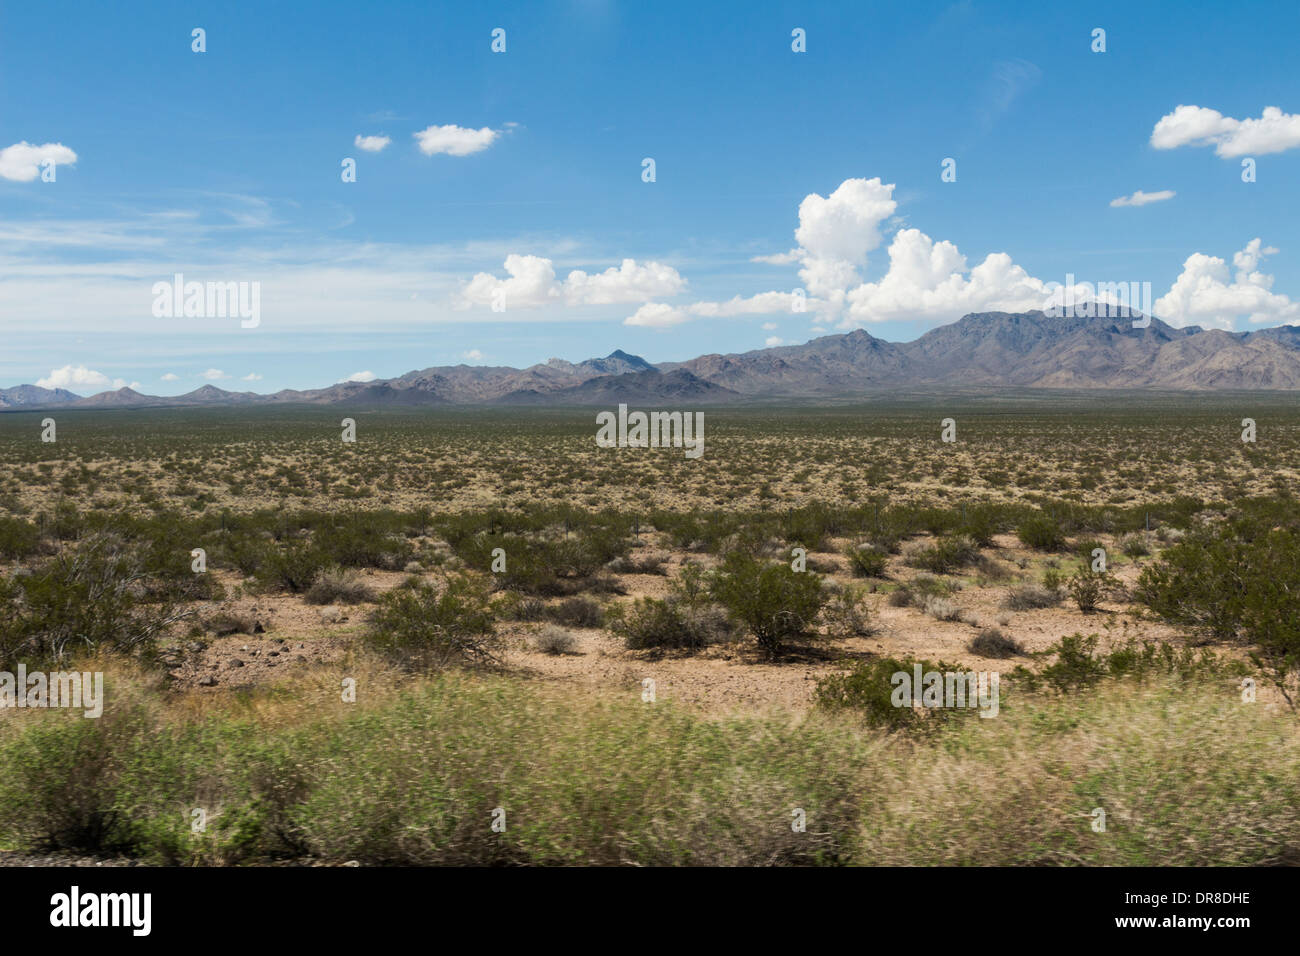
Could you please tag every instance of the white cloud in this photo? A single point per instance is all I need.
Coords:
(371, 144)
(764, 303)
(361, 377)
(773, 340)
(252, 377)
(1273, 132)
(657, 315)
(931, 280)
(532, 283)
(1140, 198)
(769, 326)
(74, 377)
(474, 355)
(836, 232)
(454, 140)
(22, 162)
(171, 377)
(214, 375)
(1206, 294)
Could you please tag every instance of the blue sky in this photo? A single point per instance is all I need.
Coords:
(225, 166)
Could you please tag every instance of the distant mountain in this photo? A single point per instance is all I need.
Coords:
(33, 396)
(650, 387)
(997, 349)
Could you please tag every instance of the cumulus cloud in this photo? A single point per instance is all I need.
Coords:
(252, 377)
(73, 377)
(532, 282)
(836, 232)
(371, 144)
(171, 377)
(1273, 132)
(360, 377)
(773, 340)
(657, 315)
(454, 140)
(22, 162)
(1207, 294)
(1140, 198)
(474, 355)
(930, 279)
(214, 375)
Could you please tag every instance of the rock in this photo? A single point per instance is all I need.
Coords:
(272, 653)
(207, 681)
(196, 647)
(236, 662)
(258, 628)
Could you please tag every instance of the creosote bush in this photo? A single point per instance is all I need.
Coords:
(776, 603)
(432, 626)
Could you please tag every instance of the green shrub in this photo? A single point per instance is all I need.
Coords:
(1042, 532)
(869, 690)
(652, 624)
(93, 597)
(948, 554)
(19, 538)
(576, 612)
(867, 560)
(1088, 587)
(775, 602)
(291, 567)
(431, 627)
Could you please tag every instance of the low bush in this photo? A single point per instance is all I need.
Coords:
(556, 641)
(991, 642)
(1042, 532)
(339, 586)
(427, 626)
(775, 602)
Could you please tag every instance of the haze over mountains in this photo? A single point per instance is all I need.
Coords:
(1028, 350)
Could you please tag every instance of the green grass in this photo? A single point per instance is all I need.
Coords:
(1188, 775)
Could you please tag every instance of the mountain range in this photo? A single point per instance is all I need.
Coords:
(1026, 350)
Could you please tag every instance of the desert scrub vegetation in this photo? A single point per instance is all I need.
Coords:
(339, 586)
(774, 602)
(436, 625)
(1237, 580)
(867, 560)
(556, 641)
(94, 596)
(991, 642)
(671, 624)
(411, 776)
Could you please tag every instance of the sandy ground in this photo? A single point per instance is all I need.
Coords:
(295, 635)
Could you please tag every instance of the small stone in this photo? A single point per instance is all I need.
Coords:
(236, 662)
(207, 681)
